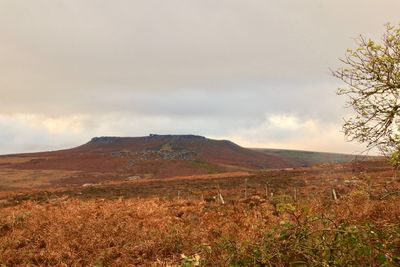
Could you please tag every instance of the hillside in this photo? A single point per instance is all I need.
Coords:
(118, 153)
(308, 158)
(153, 156)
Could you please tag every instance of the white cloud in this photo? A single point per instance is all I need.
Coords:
(292, 132)
(36, 132)
(286, 122)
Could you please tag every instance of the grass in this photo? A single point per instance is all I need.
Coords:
(11, 179)
(209, 167)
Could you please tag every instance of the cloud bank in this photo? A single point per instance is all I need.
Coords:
(255, 71)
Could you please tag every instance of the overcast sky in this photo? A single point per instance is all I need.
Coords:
(252, 71)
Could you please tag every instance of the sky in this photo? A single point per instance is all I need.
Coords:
(256, 72)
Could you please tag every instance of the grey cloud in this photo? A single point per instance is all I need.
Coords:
(75, 45)
(203, 66)
(250, 101)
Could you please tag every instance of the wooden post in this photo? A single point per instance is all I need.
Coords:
(245, 188)
(334, 194)
(266, 191)
(221, 199)
(295, 194)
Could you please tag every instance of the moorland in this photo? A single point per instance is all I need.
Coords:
(116, 202)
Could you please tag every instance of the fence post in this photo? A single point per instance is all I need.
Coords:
(221, 198)
(245, 188)
(334, 194)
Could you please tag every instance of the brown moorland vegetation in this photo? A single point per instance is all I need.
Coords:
(118, 158)
(115, 159)
(181, 222)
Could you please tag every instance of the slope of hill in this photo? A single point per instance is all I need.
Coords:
(113, 158)
(128, 152)
(308, 158)
(154, 156)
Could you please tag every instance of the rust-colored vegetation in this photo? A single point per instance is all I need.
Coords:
(182, 221)
(118, 158)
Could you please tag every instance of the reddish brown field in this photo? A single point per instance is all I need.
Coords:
(182, 221)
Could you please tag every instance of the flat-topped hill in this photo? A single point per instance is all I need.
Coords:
(153, 156)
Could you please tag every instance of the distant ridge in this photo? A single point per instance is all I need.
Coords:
(154, 155)
(309, 158)
(116, 139)
(159, 156)
(213, 151)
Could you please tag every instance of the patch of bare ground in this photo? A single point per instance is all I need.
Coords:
(6, 160)
(11, 179)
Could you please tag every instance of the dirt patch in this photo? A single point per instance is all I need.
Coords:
(17, 179)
